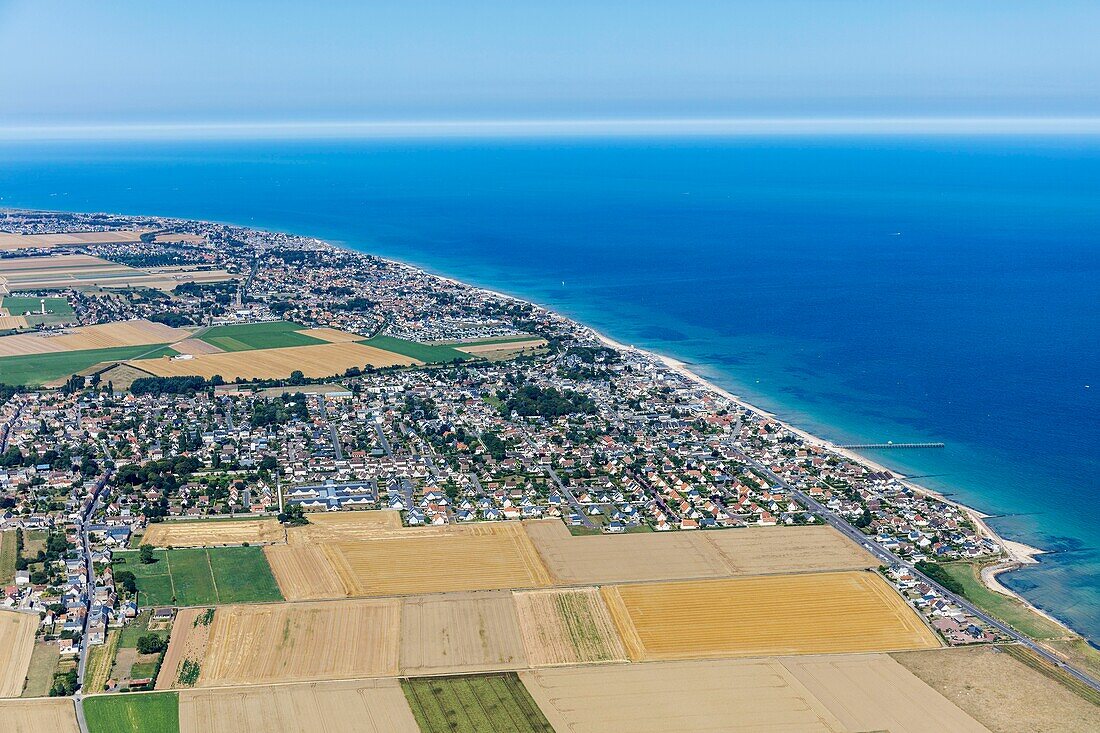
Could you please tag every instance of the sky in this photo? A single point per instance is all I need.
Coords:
(119, 62)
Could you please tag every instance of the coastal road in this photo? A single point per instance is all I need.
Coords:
(889, 558)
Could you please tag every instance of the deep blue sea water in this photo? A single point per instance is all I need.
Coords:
(866, 289)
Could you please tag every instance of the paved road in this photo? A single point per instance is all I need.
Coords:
(86, 518)
(9, 425)
(890, 558)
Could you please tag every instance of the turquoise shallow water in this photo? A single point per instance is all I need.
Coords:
(865, 289)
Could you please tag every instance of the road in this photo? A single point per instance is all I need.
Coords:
(9, 425)
(889, 558)
(86, 518)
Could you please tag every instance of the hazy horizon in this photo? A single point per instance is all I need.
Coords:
(70, 64)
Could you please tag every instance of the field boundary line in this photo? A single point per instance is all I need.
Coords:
(624, 624)
(213, 580)
(171, 578)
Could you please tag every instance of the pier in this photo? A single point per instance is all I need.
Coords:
(889, 444)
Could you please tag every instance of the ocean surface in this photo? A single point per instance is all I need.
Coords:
(866, 289)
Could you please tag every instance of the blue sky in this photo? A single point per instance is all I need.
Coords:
(77, 63)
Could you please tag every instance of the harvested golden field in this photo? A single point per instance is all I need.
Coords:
(287, 642)
(10, 242)
(488, 557)
(817, 613)
(187, 641)
(16, 645)
(508, 347)
(332, 335)
(60, 263)
(764, 550)
(331, 526)
(1001, 692)
(194, 347)
(567, 626)
(623, 558)
(103, 336)
(43, 715)
(12, 322)
(214, 532)
(323, 360)
(304, 572)
(360, 706)
(756, 695)
(873, 692)
(460, 632)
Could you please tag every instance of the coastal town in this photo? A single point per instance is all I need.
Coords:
(489, 411)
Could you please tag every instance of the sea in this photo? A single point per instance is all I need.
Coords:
(867, 289)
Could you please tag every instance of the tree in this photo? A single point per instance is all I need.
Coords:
(126, 580)
(145, 554)
(293, 515)
(296, 377)
(150, 644)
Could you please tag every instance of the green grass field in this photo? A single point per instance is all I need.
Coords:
(424, 352)
(40, 673)
(248, 336)
(201, 576)
(473, 703)
(1009, 610)
(8, 541)
(34, 369)
(54, 306)
(155, 712)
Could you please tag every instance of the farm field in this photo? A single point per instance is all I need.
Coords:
(205, 533)
(475, 703)
(766, 550)
(187, 643)
(756, 695)
(322, 360)
(11, 242)
(100, 659)
(488, 557)
(304, 572)
(152, 712)
(567, 626)
(1001, 692)
(289, 642)
(16, 646)
(269, 335)
(357, 525)
(198, 577)
(58, 310)
(81, 338)
(44, 715)
(500, 347)
(12, 323)
(41, 668)
(362, 706)
(85, 271)
(873, 692)
(36, 369)
(625, 558)
(426, 353)
(8, 543)
(332, 335)
(66, 271)
(460, 632)
(816, 613)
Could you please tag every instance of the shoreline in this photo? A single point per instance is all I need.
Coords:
(1017, 554)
